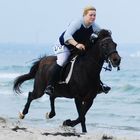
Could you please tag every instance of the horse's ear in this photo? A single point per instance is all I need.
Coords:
(105, 32)
(110, 32)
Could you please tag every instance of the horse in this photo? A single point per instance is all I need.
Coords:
(84, 82)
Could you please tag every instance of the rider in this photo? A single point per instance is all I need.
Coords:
(76, 34)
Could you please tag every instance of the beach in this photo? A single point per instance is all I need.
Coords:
(14, 131)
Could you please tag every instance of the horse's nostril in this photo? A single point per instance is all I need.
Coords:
(115, 59)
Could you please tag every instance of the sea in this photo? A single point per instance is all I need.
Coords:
(117, 112)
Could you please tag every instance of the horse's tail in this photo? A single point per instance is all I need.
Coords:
(19, 80)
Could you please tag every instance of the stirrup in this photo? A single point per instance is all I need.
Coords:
(49, 90)
(106, 89)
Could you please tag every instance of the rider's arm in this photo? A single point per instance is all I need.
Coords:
(71, 29)
(72, 42)
(76, 44)
(68, 38)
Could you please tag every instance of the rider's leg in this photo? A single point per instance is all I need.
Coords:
(53, 78)
(56, 69)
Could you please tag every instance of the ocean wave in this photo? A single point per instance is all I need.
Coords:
(128, 87)
(129, 128)
(136, 102)
(115, 127)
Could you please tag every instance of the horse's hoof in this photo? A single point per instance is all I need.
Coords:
(49, 115)
(21, 115)
(67, 123)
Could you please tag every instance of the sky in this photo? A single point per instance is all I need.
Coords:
(42, 21)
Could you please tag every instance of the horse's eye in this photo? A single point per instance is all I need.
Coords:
(104, 45)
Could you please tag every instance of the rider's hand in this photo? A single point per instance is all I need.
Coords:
(80, 46)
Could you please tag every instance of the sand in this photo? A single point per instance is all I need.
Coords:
(16, 131)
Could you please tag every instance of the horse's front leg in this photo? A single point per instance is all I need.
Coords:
(86, 107)
(81, 119)
(80, 109)
(52, 113)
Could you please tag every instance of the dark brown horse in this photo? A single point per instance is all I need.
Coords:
(85, 80)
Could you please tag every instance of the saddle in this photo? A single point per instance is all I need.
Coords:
(67, 69)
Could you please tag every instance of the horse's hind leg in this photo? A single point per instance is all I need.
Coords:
(27, 105)
(52, 113)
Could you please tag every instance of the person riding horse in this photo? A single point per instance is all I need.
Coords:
(77, 35)
(84, 83)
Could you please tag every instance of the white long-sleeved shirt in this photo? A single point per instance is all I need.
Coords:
(79, 32)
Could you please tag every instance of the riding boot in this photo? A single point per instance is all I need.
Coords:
(104, 88)
(54, 78)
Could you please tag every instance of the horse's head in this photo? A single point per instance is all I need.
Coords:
(108, 48)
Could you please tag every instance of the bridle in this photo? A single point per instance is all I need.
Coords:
(110, 52)
(107, 54)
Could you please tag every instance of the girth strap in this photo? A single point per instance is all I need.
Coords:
(70, 72)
